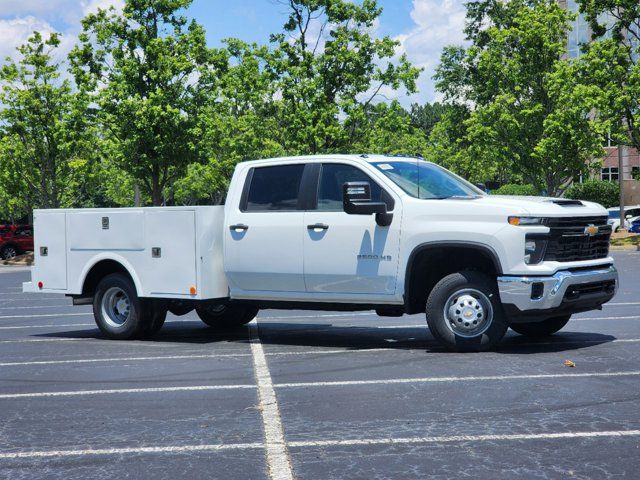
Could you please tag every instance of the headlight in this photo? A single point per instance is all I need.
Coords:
(524, 221)
(534, 248)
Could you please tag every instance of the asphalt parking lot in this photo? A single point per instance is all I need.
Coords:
(315, 395)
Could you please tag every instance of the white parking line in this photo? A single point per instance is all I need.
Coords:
(268, 407)
(278, 460)
(582, 319)
(37, 307)
(44, 315)
(116, 391)
(391, 381)
(54, 325)
(178, 449)
(463, 438)
(133, 450)
(119, 359)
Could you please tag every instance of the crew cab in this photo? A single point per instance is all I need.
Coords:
(397, 235)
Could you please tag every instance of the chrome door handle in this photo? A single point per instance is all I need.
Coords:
(318, 226)
(239, 227)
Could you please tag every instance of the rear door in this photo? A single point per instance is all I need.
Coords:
(263, 233)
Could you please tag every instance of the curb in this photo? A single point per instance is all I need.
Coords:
(624, 248)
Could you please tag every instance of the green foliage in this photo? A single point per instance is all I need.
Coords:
(45, 140)
(516, 189)
(426, 117)
(143, 69)
(526, 112)
(612, 65)
(391, 132)
(328, 81)
(606, 194)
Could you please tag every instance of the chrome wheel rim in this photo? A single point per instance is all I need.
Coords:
(468, 313)
(9, 252)
(116, 307)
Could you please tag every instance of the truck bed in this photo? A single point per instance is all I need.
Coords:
(170, 252)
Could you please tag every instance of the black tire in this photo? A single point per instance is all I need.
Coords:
(541, 329)
(221, 315)
(178, 308)
(120, 314)
(156, 313)
(8, 252)
(479, 323)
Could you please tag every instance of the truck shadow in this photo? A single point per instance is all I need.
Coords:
(314, 335)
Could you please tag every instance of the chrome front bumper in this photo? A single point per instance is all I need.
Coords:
(517, 291)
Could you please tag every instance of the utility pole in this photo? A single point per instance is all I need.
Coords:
(623, 222)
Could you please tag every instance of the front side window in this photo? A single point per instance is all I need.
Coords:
(274, 188)
(427, 181)
(332, 178)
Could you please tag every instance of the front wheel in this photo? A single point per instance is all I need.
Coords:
(541, 329)
(221, 315)
(464, 312)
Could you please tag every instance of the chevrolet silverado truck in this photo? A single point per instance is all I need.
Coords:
(397, 235)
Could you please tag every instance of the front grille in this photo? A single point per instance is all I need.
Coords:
(568, 241)
(574, 292)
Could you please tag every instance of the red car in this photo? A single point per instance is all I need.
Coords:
(15, 239)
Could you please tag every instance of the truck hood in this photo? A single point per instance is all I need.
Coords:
(544, 206)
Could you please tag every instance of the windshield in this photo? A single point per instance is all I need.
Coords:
(427, 181)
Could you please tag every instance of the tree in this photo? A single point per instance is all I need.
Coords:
(45, 140)
(612, 64)
(145, 68)
(426, 116)
(527, 110)
(328, 70)
(391, 132)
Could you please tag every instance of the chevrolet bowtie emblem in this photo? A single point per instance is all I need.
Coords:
(591, 230)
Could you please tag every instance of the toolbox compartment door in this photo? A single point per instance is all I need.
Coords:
(171, 270)
(50, 250)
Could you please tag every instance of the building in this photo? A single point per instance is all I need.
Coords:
(579, 35)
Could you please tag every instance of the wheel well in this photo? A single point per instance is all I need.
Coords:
(428, 265)
(98, 272)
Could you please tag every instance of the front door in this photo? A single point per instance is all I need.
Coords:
(349, 254)
(263, 244)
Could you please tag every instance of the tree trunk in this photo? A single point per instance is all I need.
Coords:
(156, 190)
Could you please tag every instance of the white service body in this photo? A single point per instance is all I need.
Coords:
(189, 239)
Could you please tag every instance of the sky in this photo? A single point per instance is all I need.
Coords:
(423, 27)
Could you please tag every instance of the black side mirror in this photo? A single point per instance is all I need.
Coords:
(356, 200)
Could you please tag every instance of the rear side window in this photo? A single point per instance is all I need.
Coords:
(334, 176)
(274, 188)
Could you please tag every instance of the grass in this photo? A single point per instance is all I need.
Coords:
(625, 240)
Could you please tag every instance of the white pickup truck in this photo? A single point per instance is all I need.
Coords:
(335, 232)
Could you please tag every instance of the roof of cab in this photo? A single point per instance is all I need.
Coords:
(370, 158)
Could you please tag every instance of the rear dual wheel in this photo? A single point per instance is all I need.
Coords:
(120, 314)
(223, 315)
